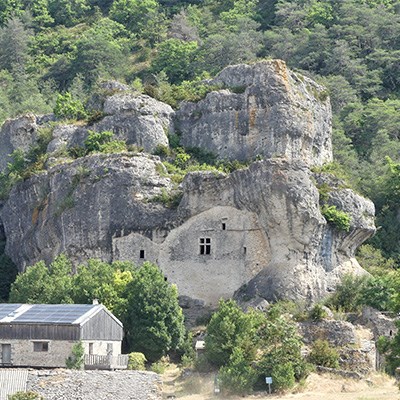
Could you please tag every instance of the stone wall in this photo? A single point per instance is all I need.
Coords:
(23, 354)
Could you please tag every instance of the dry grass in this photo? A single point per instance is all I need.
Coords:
(197, 386)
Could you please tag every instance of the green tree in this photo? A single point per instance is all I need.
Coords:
(142, 17)
(68, 12)
(42, 284)
(14, 38)
(9, 8)
(280, 351)
(238, 376)
(103, 281)
(153, 320)
(175, 57)
(230, 328)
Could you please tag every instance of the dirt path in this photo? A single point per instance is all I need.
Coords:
(318, 387)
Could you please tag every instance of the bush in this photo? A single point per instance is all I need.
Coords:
(348, 294)
(323, 354)
(26, 396)
(318, 313)
(283, 377)
(69, 108)
(159, 366)
(237, 376)
(340, 219)
(136, 361)
(76, 360)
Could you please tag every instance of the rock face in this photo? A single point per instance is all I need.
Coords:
(19, 133)
(266, 110)
(258, 231)
(139, 120)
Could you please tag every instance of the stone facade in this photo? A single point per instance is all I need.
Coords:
(27, 353)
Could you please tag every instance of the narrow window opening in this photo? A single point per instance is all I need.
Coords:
(244, 250)
(165, 279)
(141, 254)
(109, 349)
(224, 226)
(90, 348)
(205, 246)
(40, 346)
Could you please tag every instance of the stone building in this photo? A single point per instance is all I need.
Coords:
(43, 335)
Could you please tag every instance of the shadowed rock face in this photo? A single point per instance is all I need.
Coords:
(259, 229)
(265, 110)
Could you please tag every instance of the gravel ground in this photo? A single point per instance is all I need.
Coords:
(95, 385)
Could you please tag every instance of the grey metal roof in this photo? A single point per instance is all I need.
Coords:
(6, 309)
(46, 313)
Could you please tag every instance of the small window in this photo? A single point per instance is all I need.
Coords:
(40, 346)
(141, 254)
(224, 226)
(205, 246)
(109, 349)
(90, 348)
(244, 250)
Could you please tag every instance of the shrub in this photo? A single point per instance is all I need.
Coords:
(317, 313)
(237, 376)
(348, 294)
(340, 219)
(323, 354)
(76, 360)
(136, 361)
(26, 396)
(283, 377)
(69, 108)
(159, 366)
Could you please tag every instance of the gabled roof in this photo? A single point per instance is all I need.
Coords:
(74, 314)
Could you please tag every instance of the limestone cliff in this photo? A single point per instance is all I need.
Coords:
(265, 110)
(258, 229)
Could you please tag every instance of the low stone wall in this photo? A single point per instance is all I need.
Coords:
(62, 384)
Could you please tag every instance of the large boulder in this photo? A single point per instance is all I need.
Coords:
(19, 133)
(264, 109)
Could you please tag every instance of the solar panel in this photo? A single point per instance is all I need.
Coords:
(54, 313)
(6, 309)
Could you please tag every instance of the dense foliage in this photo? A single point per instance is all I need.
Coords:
(250, 346)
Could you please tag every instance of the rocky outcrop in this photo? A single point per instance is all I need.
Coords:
(264, 110)
(139, 120)
(354, 343)
(19, 133)
(258, 230)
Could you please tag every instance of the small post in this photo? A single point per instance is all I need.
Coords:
(268, 381)
(216, 385)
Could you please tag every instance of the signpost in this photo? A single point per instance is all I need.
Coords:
(268, 381)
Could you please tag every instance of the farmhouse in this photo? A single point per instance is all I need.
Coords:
(43, 335)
